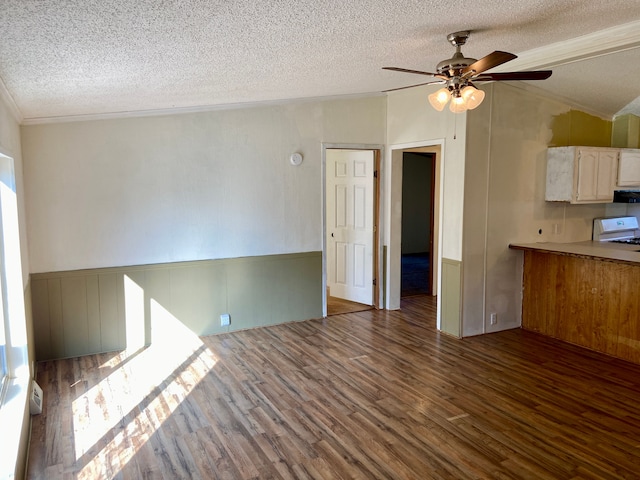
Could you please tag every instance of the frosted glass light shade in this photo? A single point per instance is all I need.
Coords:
(472, 96)
(458, 104)
(439, 99)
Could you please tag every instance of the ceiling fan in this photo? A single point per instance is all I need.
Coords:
(459, 73)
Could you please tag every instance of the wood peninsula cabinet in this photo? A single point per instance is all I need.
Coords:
(581, 174)
(585, 294)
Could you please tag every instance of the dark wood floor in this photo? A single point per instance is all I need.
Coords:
(367, 395)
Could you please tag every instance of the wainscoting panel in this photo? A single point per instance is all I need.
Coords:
(451, 307)
(92, 311)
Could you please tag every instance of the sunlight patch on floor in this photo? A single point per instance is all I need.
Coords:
(141, 406)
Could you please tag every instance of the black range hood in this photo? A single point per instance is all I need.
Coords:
(626, 196)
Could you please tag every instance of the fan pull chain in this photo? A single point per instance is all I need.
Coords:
(455, 126)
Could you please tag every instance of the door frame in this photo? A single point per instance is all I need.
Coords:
(377, 230)
(393, 217)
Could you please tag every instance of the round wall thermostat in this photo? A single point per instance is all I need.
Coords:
(295, 159)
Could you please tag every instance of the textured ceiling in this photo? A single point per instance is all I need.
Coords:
(61, 58)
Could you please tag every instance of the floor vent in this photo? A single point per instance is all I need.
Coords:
(35, 400)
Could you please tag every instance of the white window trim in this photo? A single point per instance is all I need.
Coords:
(15, 390)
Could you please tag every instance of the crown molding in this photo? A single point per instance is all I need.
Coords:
(8, 100)
(603, 42)
(186, 110)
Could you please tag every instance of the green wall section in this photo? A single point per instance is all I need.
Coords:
(626, 132)
(579, 128)
(451, 298)
(88, 311)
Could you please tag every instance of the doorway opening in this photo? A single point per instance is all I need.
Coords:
(433, 153)
(418, 185)
(350, 241)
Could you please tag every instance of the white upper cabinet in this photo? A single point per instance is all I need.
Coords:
(581, 174)
(629, 168)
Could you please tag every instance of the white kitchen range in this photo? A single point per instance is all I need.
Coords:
(617, 230)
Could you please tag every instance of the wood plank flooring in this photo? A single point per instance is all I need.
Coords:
(338, 306)
(368, 395)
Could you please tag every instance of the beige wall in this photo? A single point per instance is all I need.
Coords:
(185, 187)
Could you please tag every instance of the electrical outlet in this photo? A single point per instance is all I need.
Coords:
(225, 320)
(494, 318)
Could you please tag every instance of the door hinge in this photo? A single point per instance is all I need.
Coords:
(374, 282)
(375, 174)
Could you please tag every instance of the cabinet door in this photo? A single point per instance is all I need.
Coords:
(629, 168)
(587, 178)
(607, 175)
(597, 173)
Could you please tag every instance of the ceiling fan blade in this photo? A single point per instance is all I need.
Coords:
(416, 85)
(534, 75)
(406, 70)
(485, 63)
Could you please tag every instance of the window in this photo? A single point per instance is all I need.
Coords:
(14, 357)
(3, 352)
(13, 338)
(3, 349)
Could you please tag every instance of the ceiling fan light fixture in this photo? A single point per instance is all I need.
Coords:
(439, 99)
(462, 99)
(458, 104)
(472, 96)
(458, 73)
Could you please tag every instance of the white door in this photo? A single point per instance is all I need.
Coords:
(350, 215)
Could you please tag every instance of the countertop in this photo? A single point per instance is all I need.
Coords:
(607, 251)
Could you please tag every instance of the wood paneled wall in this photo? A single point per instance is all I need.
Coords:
(85, 312)
(587, 302)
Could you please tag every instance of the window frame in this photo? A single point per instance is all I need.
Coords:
(16, 382)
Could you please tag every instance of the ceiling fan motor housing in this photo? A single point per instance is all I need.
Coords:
(455, 64)
(458, 61)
